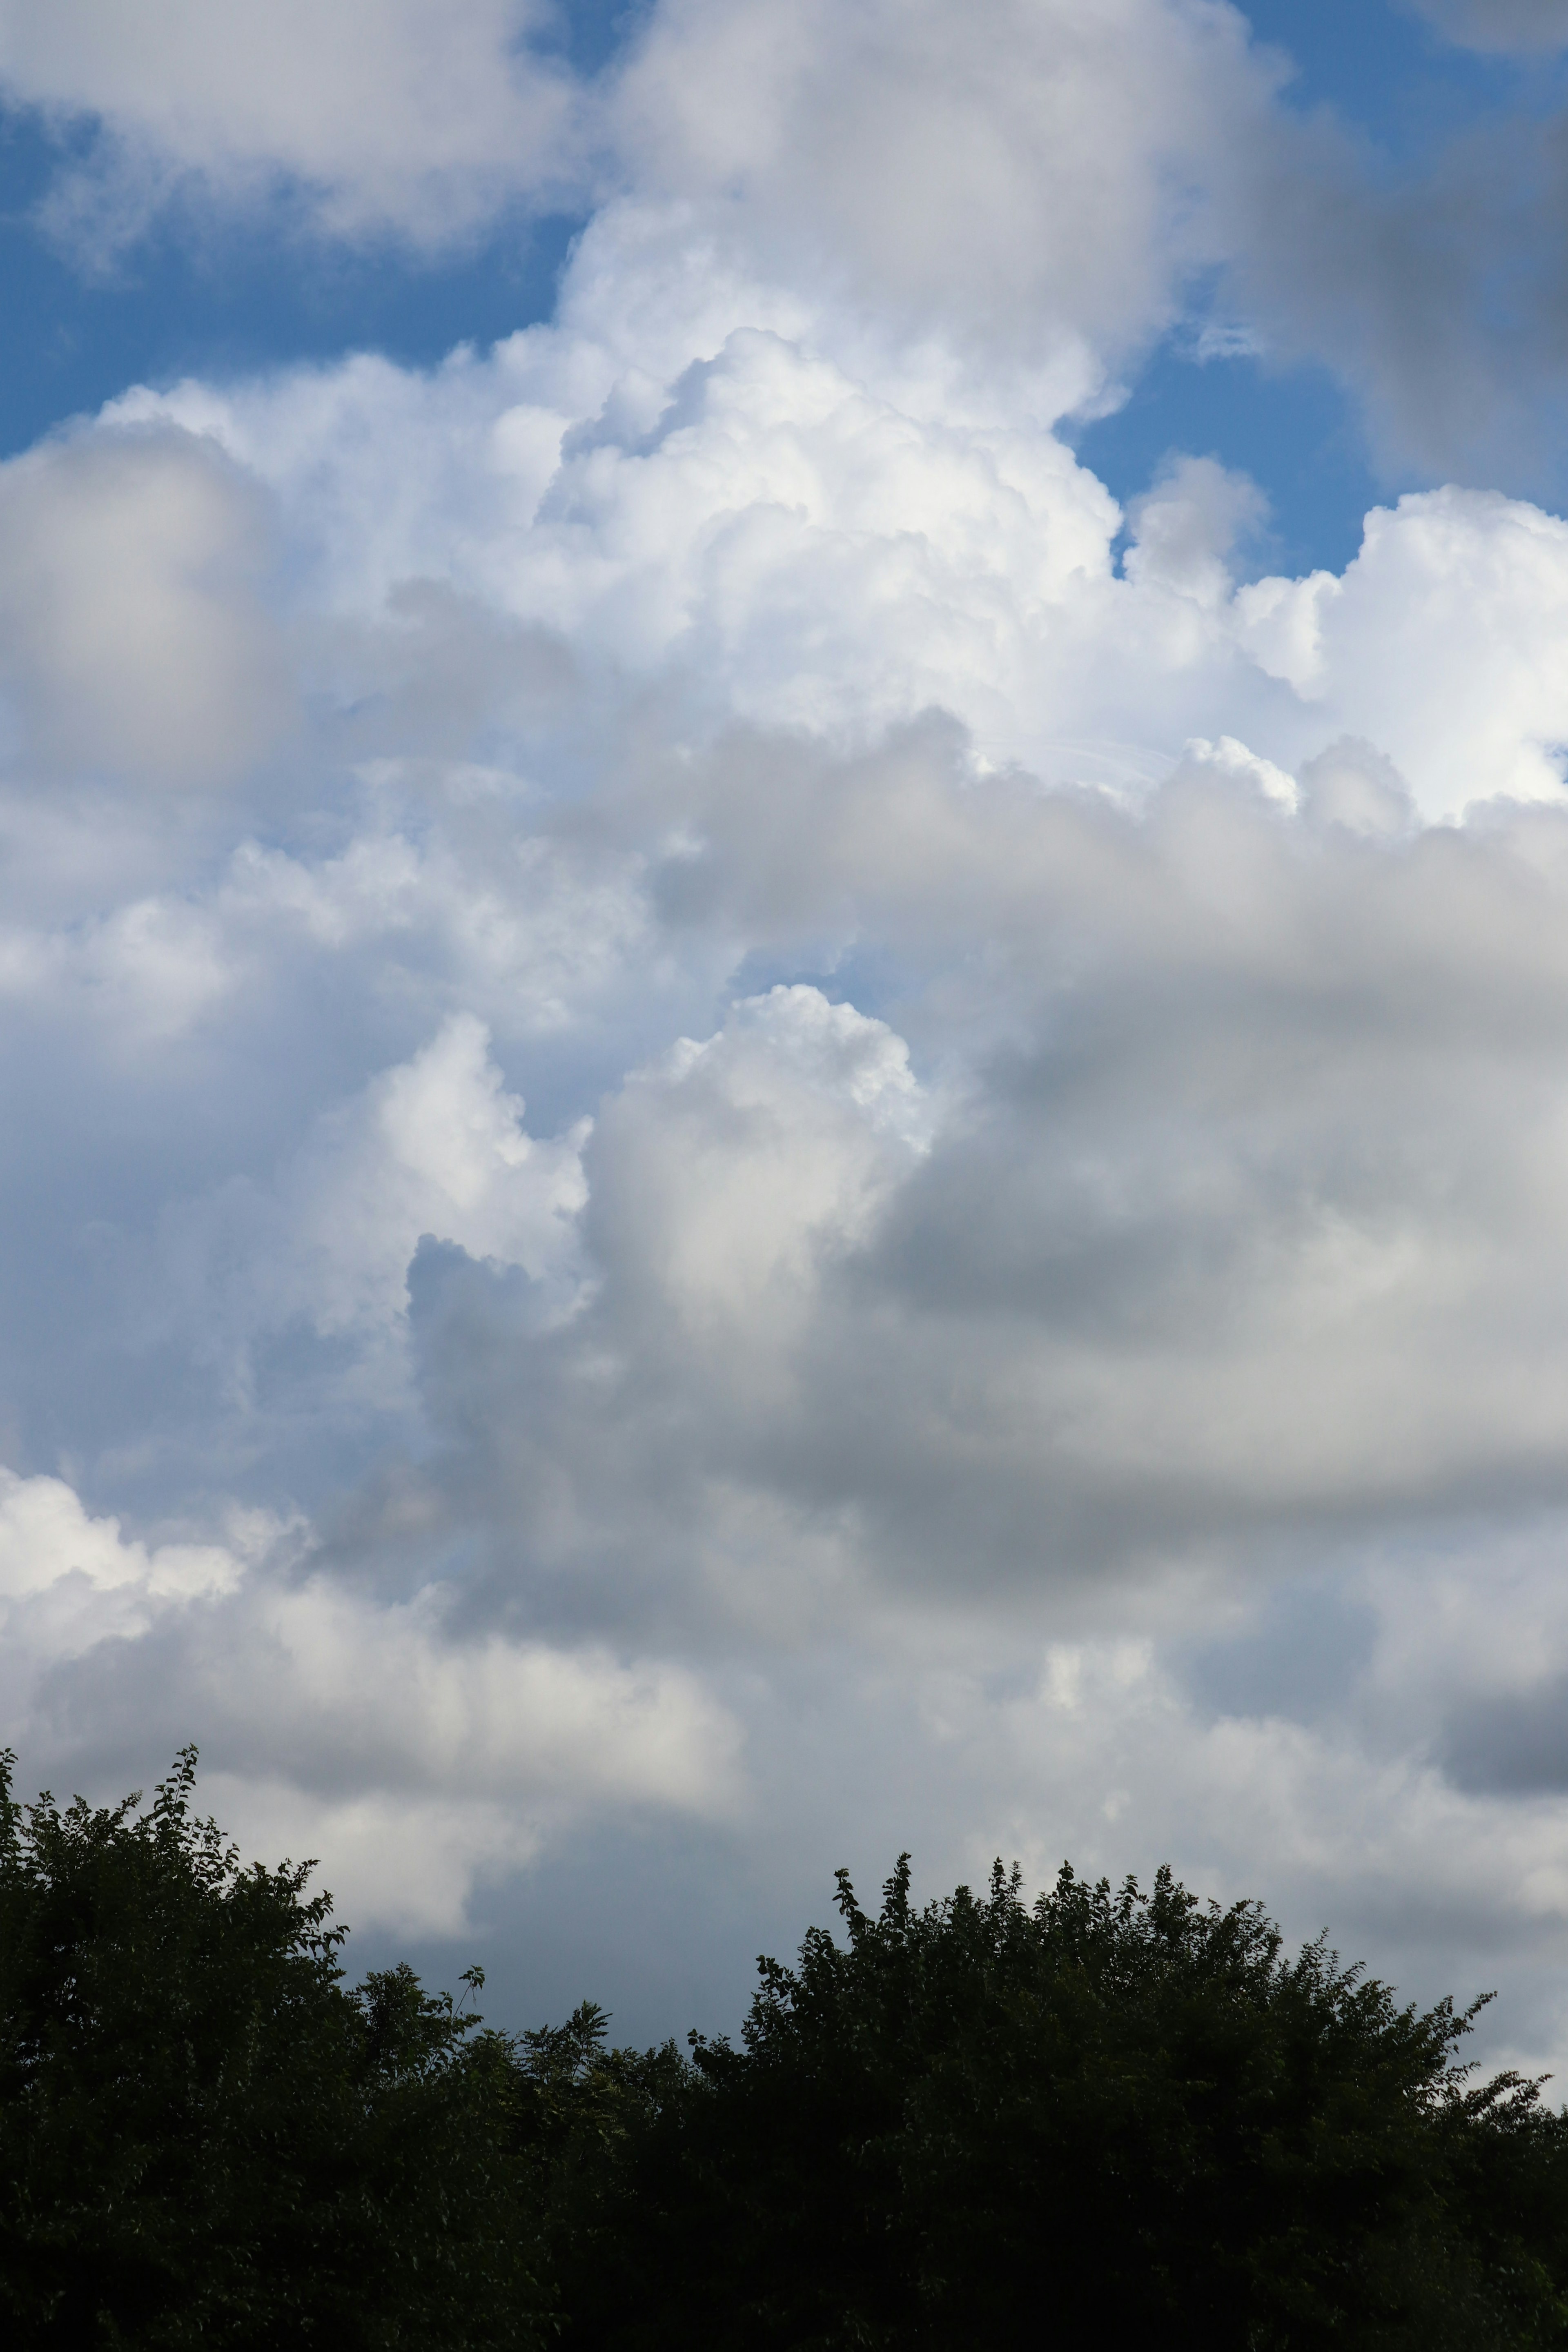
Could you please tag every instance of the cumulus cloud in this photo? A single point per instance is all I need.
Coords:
(727, 1110)
(373, 114)
(804, 541)
(137, 638)
(1034, 190)
(1444, 566)
(1040, 172)
(931, 159)
(1044, 186)
(47, 1540)
(419, 1761)
(434, 1146)
(1239, 1229)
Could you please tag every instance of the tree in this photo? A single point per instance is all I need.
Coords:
(204, 2137)
(1107, 2118)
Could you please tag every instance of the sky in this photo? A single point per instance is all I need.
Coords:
(784, 962)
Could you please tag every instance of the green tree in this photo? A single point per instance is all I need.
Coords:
(1104, 2119)
(206, 2138)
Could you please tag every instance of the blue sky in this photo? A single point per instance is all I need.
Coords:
(248, 292)
(783, 1035)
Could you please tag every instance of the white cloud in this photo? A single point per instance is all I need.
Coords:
(942, 162)
(1231, 759)
(137, 641)
(723, 1175)
(795, 544)
(1222, 340)
(718, 1113)
(434, 1146)
(45, 1537)
(377, 114)
(327, 1718)
(1443, 643)
(1186, 526)
(1046, 185)
(1042, 172)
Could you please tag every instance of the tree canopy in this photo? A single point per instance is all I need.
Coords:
(1104, 2115)
(204, 2137)
(1112, 2115)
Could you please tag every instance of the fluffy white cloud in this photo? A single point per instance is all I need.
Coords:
(1041, 169)
(439, 1148)
(136, 637)
(799, 544)
(326, 1716)
(378, 114)
(1046, 185)
(46, 1539)
(1459, 589)
(725, 1111)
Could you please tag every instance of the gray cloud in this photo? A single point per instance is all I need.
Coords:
(1048, 188)
(1247, 1226)
(713, 1135)
(392, 115)
(1498, 25)
(1512, 1745)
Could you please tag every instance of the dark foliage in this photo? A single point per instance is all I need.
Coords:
(1104, 2119)
(204, 2138)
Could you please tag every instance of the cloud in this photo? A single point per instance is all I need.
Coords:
(1039, 189)
(1444, 569)
(47, 1540)
(1039, 171)
(434, 1146)
(397, 115)
(1498, 25)
(137, 637)
(326, 1717)
(1515, 1743)
(1184, 529)
(652, 631)
(1238, 1229)
(734, 1121)
(929, 160)
(801, 539)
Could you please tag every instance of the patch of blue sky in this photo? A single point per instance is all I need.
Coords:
(250, 293)
(590, 31)
(1294, 432)
(1379, 70)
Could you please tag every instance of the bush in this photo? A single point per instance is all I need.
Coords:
(205, 2138)
(1103, 2119)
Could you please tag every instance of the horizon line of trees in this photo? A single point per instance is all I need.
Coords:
(1109, 2115)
